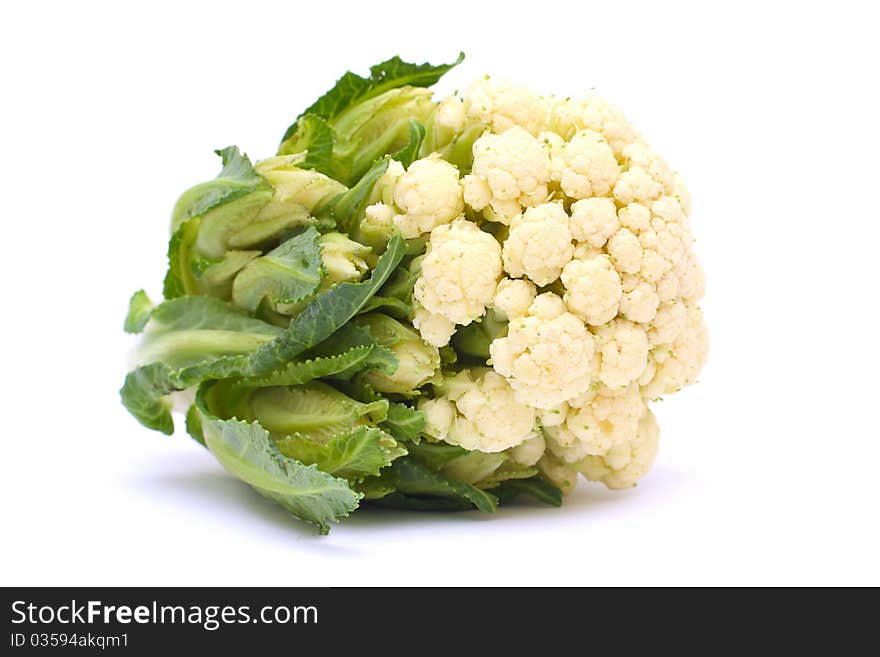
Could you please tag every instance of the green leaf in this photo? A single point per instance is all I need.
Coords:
(535, 487)
(247, 451)
(353, 455)
(473, 467)
(395, 500)
(357, 389)
(410, 153)
(416, 479)
(351, 336)
(194, 425)
(404, 422)
(388, 305)
(325, 315)
(393, 73)
(216, 274)
(373, 488)
(139, 309)
(315, 409)
(400, 285)
(213, 216)
(435, 456)
(347, 210)
(316, 139)
(285, 276)
(238, 178)
(417, 361)
(474, 339)
(506, 471)
(180, 277)
(192, 330)
(302, 371)
(364, 119)
(143, 395)
(144, 388)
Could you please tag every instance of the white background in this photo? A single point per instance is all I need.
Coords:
(768, 468)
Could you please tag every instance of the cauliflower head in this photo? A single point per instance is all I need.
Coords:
(576, 233)
(429, 303)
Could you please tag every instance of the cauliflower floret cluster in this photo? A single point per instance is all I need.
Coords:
(547, 354)
(539, 244)
(511, 171)
(418, 199)
(501, 106)
(595, 422)
(477, 411)
(576, 233)
(459, 275)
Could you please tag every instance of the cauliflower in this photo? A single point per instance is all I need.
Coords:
(414, 200)
(428, 195)
(528, 452)
(570, 115)
(625, 463)
(459, 273)
(677, 364)
(592, 288)
(593, 220)
(502, 106)
(510, 171)
(547, 354)
(600, 221)
(585, 166)
(539, 244)
(595, 423)
(516, 322)
(477, 411)
(435, 329)
(513, 297)
(560, 474)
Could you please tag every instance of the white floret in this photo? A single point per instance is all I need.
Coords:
(568, 116)
(585, 166)
(635, 217)
(539, 244)
(592, 288)
(562, 475)
(626, 463)
(639, 155)
(450, 114)
(625, 251)
(667, 324)
(640, 304)
(510, 171)
(596, 423)
(513, 297)
(383, 190)
(678, 364)
(379, 215)
(623, 349)
(486, 415)
(459, 273)
(439, 414)
(435, 329)
(528, 452)
(428, 195)
(501, 106)
(636, 185)
(553, 417)
(546, 355)
(593, 220)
